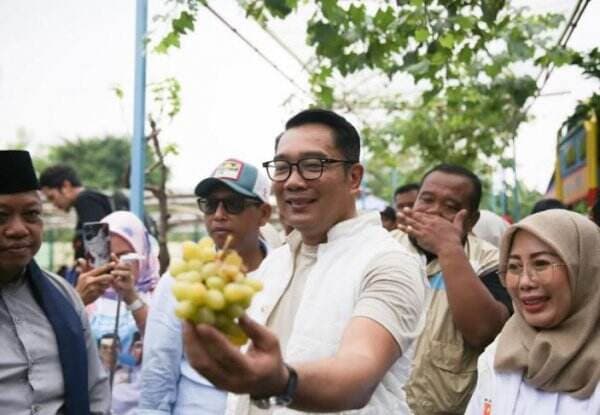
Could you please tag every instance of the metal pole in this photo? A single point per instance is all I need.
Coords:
(138, 146)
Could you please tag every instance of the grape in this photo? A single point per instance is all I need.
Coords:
(177, 267)
(228, 271)
(215, 299)
(206, 254)
(236, 292)
(222, 321)
(197, 293)
(205, 315)
(185, 310)
(190, 251)
(190, 276)
(209, 269)
(255, 284)
(234, 311)
(195, 265)
(233, 258)
(215, 282)
(211, 287)
(180, 290)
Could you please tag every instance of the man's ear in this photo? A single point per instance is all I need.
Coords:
(355, 175)
(265, 213)
(66, 186)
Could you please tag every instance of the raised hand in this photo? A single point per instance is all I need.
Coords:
(123, 280)
(432, 232)
(92, 282)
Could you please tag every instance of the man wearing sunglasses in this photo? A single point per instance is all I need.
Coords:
(342, 301)
(235, 201)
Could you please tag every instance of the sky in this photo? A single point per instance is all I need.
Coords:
(60, 60)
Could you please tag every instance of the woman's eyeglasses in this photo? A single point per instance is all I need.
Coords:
(233, 205)
(541, 271)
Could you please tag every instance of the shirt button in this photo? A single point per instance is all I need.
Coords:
(17, 320)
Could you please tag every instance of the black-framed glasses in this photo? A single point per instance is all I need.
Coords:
(233, 205)
(310, 168)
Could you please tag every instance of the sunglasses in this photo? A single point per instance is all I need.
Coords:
(232, 205)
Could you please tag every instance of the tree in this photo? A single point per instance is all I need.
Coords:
(460, 55)
(100, 162)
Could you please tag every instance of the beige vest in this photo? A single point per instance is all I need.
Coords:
(444, 369)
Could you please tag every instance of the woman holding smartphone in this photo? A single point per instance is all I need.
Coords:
(130, 277)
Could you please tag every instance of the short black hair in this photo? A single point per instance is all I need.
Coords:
(346, 138)
(595, 212)
(388, 213)
(547, 204)
(54, 176)
(457, 170)
(409, 187)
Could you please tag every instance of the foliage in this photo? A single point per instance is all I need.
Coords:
(460, 54)
(101, 162)
(590, 63)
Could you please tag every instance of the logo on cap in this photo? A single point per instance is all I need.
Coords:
(229, 169)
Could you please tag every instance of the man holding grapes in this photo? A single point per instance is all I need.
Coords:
(342, 301)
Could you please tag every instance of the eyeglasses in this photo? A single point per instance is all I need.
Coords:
(310, 168)
(233, 205)
(541, 271)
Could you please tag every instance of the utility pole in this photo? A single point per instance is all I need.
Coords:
(138, 146)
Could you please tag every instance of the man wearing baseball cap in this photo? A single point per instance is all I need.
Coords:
(235, 201)
(49, 361)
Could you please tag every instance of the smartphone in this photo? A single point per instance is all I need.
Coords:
(96, 242)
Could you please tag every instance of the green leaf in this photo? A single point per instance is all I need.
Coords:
(421, 35)
(183, 23)
(118, 91)
(447, 40)
(325, 96)
(490, 10)
(332, 12)
(327, 39)
(465, 22)
(357, 14)
(492, 70)
(170, 40)
(465, 54)
(278, 8)
(383, 18)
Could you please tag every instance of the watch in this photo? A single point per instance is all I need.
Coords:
(285, 399)
(136, 305)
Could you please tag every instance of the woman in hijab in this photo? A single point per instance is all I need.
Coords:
(546, 360)
(131, 278)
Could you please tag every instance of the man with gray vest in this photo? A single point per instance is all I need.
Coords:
(48, 362)
(342, 301)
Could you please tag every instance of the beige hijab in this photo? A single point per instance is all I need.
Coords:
(565, 358)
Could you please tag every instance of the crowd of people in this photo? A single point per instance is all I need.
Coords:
(432, 306)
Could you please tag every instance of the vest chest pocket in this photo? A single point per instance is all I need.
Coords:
(456, 375)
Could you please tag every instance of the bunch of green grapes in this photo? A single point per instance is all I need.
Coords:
(211, 287)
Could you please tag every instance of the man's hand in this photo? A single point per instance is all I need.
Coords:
(260, 372)
(432, 232)
(92, 282)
